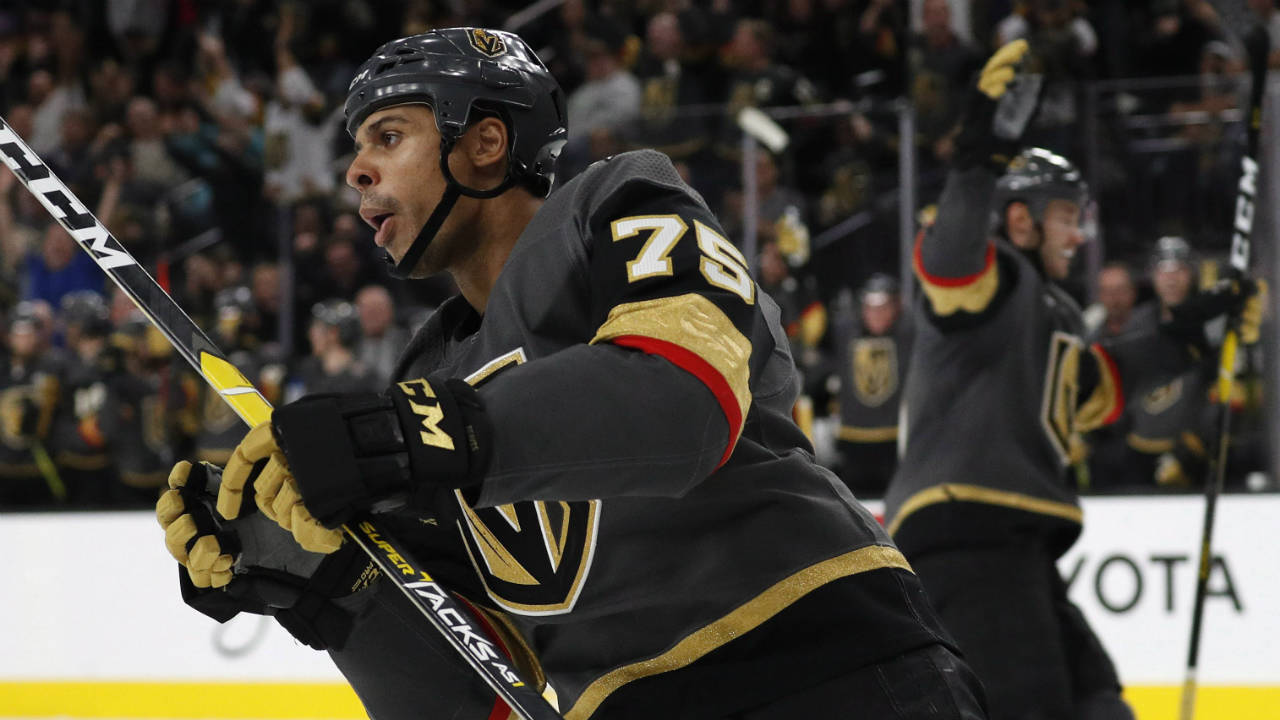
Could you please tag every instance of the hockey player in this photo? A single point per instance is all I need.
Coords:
(999, 388)
(872, 350)
(29, 381)
(591, 443)
(332, 366)
(77, 440)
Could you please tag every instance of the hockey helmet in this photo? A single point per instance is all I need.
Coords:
(340, 315)
(878, 289)
(1171, 249)
(1035, 177)
(86, 311)
(464, 74)
(234, 305)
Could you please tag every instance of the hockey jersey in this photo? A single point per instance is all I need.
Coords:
(653, 523)
(1001, 387)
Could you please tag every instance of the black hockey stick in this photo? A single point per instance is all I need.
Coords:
(454, 622)
(1258, 47)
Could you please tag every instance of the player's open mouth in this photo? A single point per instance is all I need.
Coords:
(381, 223)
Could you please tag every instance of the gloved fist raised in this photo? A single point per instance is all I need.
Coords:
(998, 110)
(258, 469)
(192, 529)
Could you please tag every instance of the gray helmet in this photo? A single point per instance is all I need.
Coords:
(1171, 248)
(87, 311)
(458, 71)
(341, 315)
(1035, 177)
(878, 288)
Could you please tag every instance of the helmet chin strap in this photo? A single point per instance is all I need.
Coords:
(452, 191)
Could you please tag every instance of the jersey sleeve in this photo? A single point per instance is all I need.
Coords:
(655, 397)
(955, 258)
(668, 283)
(1125, 367)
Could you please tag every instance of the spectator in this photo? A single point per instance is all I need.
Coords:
(382, 339)
(941, 65)
(667, 85)
(59, 268)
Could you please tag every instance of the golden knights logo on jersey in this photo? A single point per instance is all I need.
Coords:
(875, 370)
(487, 43)
(1162, 398)
(533, 557)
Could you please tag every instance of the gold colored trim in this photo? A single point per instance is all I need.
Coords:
(848, 433)
(694, 323)
(740, 621)
(515, 357)
(955, 492)
(1102, 403)
(972, 297)
(510, 635)
(88, 463)
(1150, 446)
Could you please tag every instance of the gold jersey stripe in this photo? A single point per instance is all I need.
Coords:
(955, 492)
(949, 295)
(889, 433)
(1107, 401)
(745, 618)
(1150, 446)
(694, 323)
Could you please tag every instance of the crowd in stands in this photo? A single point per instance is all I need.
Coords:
(208, 137)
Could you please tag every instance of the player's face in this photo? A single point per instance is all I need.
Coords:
(1172, 282)
(1062, 236)
(397, 171)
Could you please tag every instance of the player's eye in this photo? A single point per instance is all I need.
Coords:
(389, 138)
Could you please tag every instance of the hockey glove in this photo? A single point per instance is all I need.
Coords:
(258, 471)
(252, 565)
(1235, 297)
(998, 110)
(336, 456)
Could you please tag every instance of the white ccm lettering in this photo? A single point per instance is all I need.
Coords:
(61, 203)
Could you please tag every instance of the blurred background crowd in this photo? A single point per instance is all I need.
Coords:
(208, 137)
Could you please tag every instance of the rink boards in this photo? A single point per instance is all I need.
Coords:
(93, 626)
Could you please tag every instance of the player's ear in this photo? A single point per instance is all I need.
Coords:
(487, 147)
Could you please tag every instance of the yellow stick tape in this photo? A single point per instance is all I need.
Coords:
(294, 701)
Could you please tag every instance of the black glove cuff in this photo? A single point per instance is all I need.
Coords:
(348, 452)
(446, 430)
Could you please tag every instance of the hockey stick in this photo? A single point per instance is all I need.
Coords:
(1258, 47)
(455, 623)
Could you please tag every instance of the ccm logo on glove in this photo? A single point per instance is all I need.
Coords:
(423, 402)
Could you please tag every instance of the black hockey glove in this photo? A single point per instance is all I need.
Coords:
(251, 565)
(326, 458)
(998, 110)
(1239, 298)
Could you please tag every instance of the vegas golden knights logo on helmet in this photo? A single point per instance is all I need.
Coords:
(875, 370)
(487, 43)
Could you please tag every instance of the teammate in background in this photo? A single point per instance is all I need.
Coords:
(77, 441)
(1117, 295)
(1000, 386)
(872, 348)
(1166, 424)
(137, 416)
(332, 366)
(1111, 317)
(591, 443)
(29, 375)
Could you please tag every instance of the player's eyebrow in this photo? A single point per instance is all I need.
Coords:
(377, 125)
